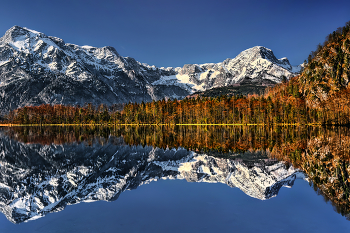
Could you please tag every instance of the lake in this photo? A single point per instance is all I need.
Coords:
(175, 179)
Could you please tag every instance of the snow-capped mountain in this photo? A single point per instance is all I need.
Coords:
(39, 179)
(37, 69)
(257, 65)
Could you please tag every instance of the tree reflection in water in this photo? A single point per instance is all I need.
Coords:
(322, 153)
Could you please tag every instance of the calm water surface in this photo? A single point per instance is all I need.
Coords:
(174, 180)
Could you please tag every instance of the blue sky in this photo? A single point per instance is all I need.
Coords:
(178, 32)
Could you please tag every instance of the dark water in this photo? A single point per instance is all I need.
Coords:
(189, 179)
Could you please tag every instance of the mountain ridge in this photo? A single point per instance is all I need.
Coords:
(39, 69)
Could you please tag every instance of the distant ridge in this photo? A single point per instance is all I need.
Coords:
(39, 69)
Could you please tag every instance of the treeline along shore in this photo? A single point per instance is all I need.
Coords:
(284, 107)
(221, 110)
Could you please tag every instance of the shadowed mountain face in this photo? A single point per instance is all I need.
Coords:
(37, 69)
(39, 179)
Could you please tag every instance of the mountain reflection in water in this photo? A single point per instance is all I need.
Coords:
(43, 169)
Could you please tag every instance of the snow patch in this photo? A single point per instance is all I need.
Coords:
(32, 31)
(3, 62)
(88, 47)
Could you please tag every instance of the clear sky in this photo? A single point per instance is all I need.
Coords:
(178, 32)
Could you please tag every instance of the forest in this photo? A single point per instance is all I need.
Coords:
(281, 105)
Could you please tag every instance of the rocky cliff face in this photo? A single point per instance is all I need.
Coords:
(37, 69)
(39, 179)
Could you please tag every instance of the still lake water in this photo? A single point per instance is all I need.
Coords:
(193, 179)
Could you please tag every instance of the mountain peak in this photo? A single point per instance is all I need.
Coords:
(18, 32)
(21, 38)
(258, 49)
(259, 52)
(111, 49)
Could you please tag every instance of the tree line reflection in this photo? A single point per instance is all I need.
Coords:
(322, 153)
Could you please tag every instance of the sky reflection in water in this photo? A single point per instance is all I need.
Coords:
(179, 206)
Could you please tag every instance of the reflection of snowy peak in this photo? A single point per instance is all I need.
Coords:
(36, 180)
(37, 69)
(261, 181)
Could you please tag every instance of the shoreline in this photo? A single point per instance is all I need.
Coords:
(162, 124)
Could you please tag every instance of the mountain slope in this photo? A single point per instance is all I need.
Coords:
(327, 73)
(37, 69)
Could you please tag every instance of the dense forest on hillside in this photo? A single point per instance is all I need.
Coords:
(319, 95)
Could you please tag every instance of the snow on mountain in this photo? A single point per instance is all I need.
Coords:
(39, 179)
(255, 65)
(37, 69)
